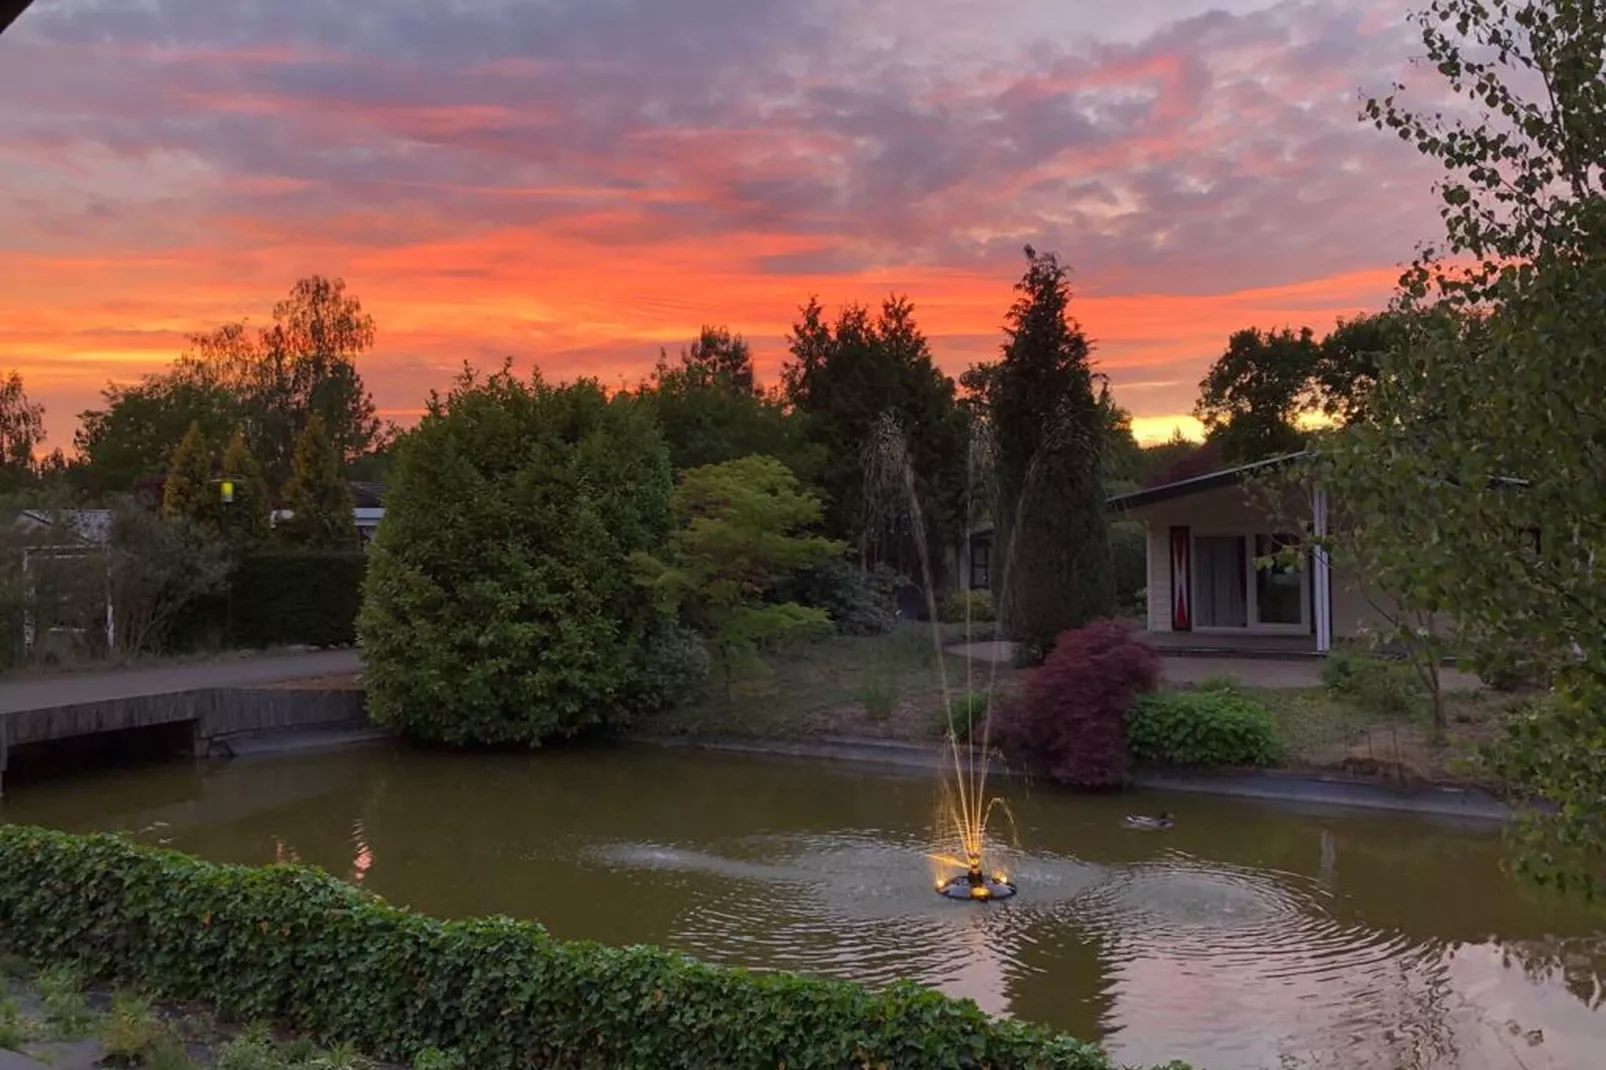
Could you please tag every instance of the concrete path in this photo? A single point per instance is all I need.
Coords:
(1251, 672)
(65, 689)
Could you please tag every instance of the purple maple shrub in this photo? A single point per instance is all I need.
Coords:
(1071, 719)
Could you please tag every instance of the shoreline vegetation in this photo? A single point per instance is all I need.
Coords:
(295, 947)
(890, 688)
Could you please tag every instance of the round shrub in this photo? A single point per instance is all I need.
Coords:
(965, 715)
(858, 601)
(1206, 727)
(960, 607)
(1072, 718)
(500, 605)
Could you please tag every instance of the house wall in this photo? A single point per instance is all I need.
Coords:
(1159, 596)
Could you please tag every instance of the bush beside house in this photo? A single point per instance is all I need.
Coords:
(1202, 727)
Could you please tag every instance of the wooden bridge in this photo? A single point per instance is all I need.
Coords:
(219, 700)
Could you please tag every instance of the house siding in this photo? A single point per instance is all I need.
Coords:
(1159, 575)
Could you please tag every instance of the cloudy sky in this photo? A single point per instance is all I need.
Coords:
(577, 182)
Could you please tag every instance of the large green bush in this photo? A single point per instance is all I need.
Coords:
(298, 947)
(500, 605)
(1205, 727)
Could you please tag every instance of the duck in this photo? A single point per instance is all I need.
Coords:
(1150, 824)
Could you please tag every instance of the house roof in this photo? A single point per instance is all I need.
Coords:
(368, 495)
(92, 527)
(1182, 488)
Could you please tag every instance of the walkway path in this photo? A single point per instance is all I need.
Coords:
(1253, 672)
(66, 689)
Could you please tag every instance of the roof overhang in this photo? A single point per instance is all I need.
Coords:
(9, 10)
(1183, 488)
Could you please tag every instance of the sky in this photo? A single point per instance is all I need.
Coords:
(575, 183)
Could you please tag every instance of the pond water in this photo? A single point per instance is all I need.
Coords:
(1248, 936)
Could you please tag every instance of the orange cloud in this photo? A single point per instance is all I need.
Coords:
(577, 185)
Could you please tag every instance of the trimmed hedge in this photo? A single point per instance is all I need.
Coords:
(297, 596)
(297, 946)
(281, 598)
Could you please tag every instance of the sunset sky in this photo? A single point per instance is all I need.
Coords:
(577, 182)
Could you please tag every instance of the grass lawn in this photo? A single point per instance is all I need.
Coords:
(1329, 733)
(882, 687)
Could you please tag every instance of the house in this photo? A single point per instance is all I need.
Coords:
(59, 552)
(368, 509)
(1203, 537)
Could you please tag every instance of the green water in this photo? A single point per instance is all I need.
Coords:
(1248, 936)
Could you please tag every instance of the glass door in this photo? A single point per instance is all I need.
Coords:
(1219, 574)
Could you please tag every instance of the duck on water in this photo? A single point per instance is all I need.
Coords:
(1145, 823)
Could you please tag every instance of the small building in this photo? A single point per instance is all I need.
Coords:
(1205, 537)
(369, 499)
(62, 559)
(368, 509)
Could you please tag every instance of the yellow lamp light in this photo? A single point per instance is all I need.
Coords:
(227, 489)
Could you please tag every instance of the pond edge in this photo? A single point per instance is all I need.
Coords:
(1290, 787)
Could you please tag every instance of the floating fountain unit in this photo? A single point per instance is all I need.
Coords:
(974, 885)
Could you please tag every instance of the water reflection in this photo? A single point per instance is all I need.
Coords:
(1246, 937)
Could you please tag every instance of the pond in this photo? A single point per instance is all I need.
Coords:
(1248, 936)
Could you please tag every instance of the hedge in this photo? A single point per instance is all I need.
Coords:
(296, 946)
(301, 596)
(281, 598)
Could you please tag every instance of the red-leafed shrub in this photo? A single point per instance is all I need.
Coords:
(1072, 717)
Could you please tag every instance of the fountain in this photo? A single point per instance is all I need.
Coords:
(964, 863)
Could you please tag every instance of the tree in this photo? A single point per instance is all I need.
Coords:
(269, 381)
(1255, 392)
(1348, 365)
(159, 567)
(737, 536)
(1487, 424)
(1261, 389)
(500, 605)
(134, 434)
(1049, 428)
(720, 357)
(710, 410)
(245, 517)
(22, 428)
(189, 492)
(317, 496)
(844, 379)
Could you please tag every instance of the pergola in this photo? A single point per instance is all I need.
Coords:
(9, 10)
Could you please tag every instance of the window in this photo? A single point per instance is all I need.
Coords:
(981, 552)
